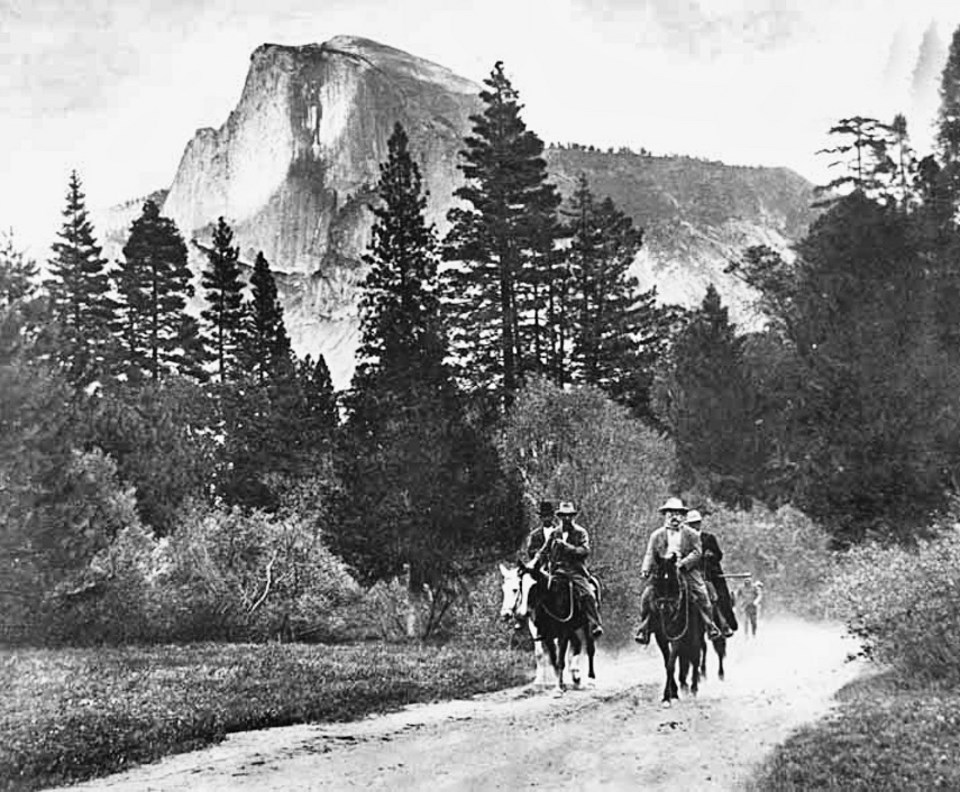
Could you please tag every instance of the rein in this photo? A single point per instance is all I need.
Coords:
(685, 596)
(554, 616)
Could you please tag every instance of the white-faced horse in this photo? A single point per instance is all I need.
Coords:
(518, 582)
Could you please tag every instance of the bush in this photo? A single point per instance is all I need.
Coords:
(234, 575)
(904, 605)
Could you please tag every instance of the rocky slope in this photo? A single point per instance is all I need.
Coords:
(294, 166)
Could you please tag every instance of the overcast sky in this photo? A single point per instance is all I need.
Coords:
(116, 88)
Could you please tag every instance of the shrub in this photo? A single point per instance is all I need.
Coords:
(234, 575)
(904, 605)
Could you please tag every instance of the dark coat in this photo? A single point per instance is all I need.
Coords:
(569, 551)
(712, 556)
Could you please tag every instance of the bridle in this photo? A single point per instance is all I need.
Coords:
(683, 594)
(523, 570)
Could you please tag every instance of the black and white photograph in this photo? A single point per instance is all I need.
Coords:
(466, 396)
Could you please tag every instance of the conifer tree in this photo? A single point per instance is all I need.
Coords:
(224, 314)
(321, 398)
(153, 284)
(266, 345)
(79, 289)
(412, 469)
(709, 403)
(501, 242)
(948, 117)
(618, 332)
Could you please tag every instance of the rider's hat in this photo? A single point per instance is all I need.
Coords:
(566, 507)
(546, 508)
(693, 516)
(674, 504)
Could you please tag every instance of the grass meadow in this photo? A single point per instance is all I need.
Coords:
(888, 734)
(72, 714)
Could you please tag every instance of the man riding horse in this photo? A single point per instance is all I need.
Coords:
(713, 573)
(564, 553)
(675, 538)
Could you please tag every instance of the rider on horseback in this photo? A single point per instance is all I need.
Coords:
(713, 573)
(565, 553)
(679, 540)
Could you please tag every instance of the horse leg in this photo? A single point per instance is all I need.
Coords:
(591, 647)
(721, 648)
(539, 655)
(685, 667)
(575, 656)
(665, 651)
(703, 660)
(562, 643)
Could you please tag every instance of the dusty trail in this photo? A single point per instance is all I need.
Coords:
(612, 736)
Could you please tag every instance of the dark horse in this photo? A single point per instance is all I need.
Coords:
(677, 627)
(561, 622)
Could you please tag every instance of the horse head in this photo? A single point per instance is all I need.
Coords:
(516, 585)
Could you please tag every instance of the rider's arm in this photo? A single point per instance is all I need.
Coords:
(690, 560)
(647, 564)
(581, 546)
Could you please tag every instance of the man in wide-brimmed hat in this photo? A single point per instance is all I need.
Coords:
(675, 538)
(566, 553)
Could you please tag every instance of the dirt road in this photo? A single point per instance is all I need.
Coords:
(613, 735)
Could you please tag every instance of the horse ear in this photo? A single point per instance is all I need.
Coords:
(503, 570)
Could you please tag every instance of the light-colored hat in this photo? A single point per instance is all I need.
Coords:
(674, 504)
(693, 516)
(566, 507)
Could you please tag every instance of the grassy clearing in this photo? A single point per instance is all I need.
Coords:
(69, 715)
(886, 736)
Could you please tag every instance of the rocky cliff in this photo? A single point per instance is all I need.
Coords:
(294, 166)
(697, 216)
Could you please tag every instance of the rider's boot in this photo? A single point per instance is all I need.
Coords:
(643, 631)
(593, 617)
(722, 622)
(713, 633)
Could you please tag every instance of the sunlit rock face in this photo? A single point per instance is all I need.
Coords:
(294, 167)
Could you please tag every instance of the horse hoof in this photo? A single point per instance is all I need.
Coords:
(720, 676)
(665, 704)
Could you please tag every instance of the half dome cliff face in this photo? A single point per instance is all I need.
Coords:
(294, 168)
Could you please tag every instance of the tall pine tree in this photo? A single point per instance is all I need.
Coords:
(153, 283)
(79, 289)
(706, 403)
(265, 343)
(618, 332)
(224, 314)
(413, 472)
(501, 244)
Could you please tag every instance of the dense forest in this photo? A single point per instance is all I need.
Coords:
(166, 476)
